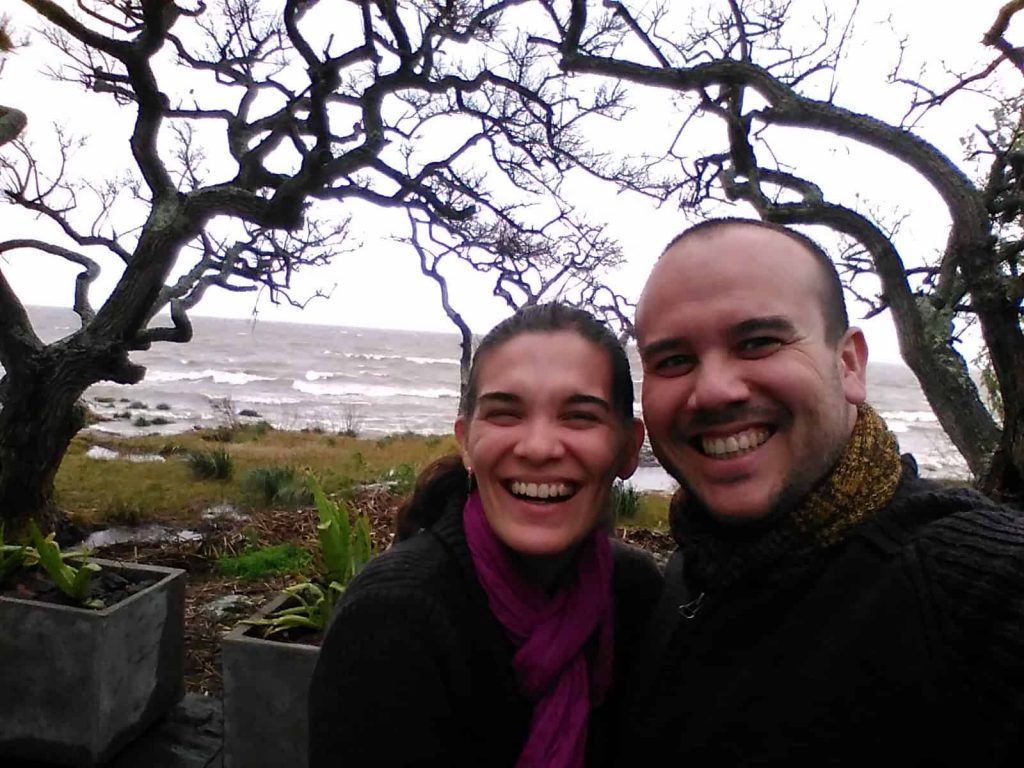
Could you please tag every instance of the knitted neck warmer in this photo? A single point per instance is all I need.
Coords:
(862, 482)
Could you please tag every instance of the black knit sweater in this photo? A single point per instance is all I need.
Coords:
(416, 671)
(903, 644)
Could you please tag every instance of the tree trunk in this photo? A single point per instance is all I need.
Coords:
(39, 417)
(1005, 478)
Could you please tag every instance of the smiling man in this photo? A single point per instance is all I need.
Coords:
(825, 603)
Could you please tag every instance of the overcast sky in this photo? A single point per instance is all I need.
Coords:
(380, 285)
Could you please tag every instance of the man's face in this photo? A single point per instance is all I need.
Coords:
(745, 402)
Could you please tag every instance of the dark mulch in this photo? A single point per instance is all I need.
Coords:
(105, 587)
(203, 631)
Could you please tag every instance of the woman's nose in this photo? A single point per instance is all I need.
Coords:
(540, 440)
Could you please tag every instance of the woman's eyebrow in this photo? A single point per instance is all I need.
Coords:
(499, 397)
(581, 399)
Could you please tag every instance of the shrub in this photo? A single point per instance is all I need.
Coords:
(625, 501)
(351, 421)
(126, 512)
(163, 407)
(276, 485)
(400, 479)
(210, 465)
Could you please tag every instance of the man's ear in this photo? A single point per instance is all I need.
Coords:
(852, 361)
(631, 448)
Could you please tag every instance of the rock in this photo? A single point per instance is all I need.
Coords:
(228, 607)
(227, 512)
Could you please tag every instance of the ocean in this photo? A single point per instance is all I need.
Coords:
(376, 382)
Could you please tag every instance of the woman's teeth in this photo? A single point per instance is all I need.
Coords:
(741, 442)
(540, 490)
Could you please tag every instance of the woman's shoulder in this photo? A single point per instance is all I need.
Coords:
(636, 573)
(417, 565)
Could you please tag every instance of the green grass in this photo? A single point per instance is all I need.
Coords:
(256, 564)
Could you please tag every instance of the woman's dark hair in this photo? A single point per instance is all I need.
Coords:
(446, 481)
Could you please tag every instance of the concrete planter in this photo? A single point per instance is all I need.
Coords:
(266, 687)
(78, 684)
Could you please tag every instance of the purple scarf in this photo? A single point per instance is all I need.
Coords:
(550, 633)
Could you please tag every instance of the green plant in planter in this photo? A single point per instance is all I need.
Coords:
(344, 548)
(12, 556)
(72, 581)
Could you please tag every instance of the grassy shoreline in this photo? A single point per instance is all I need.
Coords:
(157, 478)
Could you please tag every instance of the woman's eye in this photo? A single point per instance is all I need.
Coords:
(500, 417)
(582, 417)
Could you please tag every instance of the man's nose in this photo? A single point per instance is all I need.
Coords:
(717, 383)
(540, 440)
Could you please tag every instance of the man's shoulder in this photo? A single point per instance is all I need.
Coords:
(936, 515)
(965, 550)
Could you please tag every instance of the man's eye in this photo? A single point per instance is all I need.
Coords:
(673, 365)
(759, 345)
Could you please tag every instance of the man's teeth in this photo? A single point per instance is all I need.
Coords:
(540, 490)
(741, 442)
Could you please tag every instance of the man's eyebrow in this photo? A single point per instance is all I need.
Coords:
(776, 323)
(662, 345)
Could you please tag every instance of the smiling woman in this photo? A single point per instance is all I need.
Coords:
(494, 632)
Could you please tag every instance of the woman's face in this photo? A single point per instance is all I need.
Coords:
(544, 442)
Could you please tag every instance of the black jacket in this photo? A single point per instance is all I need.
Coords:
(416, 671)
(903, 644)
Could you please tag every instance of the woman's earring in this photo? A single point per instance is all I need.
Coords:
(470, 485)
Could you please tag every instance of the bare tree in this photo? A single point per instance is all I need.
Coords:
(12, 121)
(564, 259)
(315, 105)
(740, 67)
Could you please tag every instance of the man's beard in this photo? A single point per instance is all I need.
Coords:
(789, 498)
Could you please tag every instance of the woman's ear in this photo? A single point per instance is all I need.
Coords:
(460, 435)
(631, 448)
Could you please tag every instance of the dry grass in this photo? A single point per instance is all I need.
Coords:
(96, 493)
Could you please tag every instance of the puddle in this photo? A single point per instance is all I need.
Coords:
(148, 534)
(105, 454)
